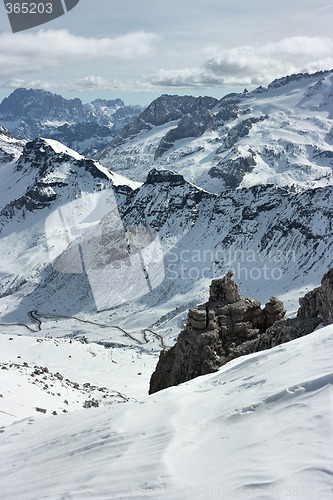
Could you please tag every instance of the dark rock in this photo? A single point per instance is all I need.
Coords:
(165, 109)
(191, 125)
(40, 410)
(318, 304)
(240, 130)
(158, 176)
(224, 291)
(233, 171)
(91, 403)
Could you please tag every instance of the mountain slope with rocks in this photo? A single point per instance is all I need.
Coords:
(274, 241)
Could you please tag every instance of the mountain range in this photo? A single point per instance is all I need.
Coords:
(279, 135)
(273, 225)
(113, 222)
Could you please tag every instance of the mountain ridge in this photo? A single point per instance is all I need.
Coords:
(281, 134)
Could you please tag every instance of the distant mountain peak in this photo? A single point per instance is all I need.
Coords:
(29, 113)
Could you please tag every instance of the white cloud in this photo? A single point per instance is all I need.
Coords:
(92, 82)
(14, 83)
(252, 65)
(26, 52)
(99, 83)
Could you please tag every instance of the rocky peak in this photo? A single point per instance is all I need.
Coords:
(40, 105)
(191, 111)
(228, 326)
(51, 172)
(29, 113)
(224, 291)
(39, 153)
(213, 331)
(168, 108)
(296, 77)
(156, 176)
(108, 103)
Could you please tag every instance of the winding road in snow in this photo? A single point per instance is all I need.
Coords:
(35, 316)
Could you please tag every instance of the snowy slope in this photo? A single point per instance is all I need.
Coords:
(281, 135)
(47, 175)
(261, 427)
(10, 148)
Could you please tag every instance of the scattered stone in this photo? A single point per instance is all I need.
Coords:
(91, 403)
(41, 410)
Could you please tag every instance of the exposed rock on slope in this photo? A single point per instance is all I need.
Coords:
(318, 304)
(228, 326)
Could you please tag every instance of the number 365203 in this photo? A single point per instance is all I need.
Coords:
(29, 8)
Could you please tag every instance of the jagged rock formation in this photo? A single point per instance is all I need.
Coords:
(228, 326)
(190, 125)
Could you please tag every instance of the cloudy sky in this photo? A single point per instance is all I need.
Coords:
(138, 49)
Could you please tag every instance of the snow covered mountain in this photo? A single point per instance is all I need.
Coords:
(278, 135)
(275, 241)
(67, 222)
(83, 127)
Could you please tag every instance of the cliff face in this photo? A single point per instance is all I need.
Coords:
(319, 302)
(228, 326)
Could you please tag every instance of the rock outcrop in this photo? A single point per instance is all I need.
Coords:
(318, 304)
(228, 326)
